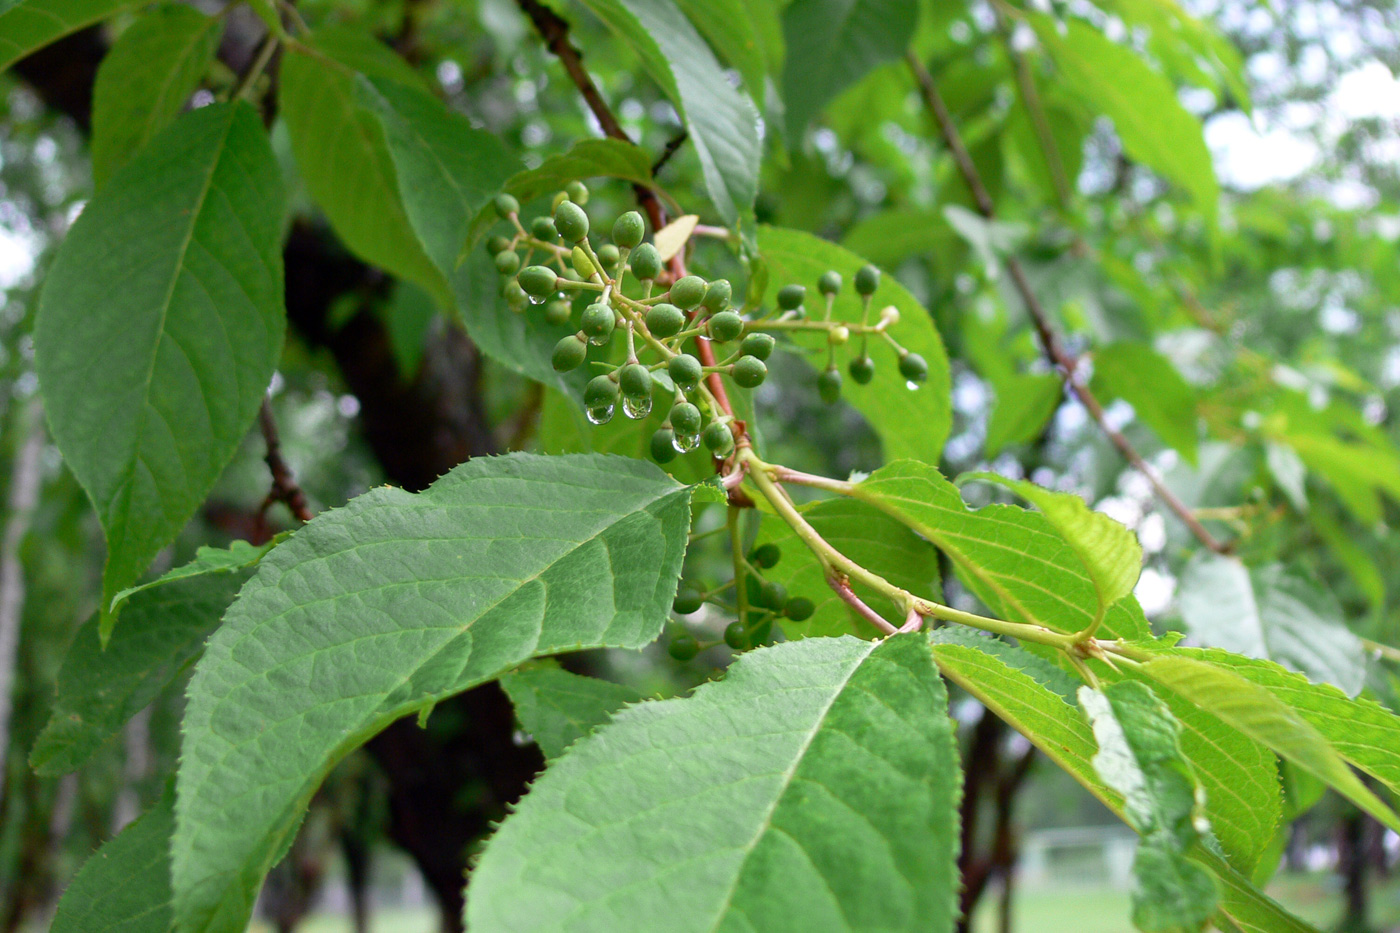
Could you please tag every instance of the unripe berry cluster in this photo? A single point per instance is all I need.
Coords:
(767, 600)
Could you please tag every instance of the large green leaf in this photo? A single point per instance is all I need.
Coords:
(164, 629)
(28, 25)
(558, 708)
(722, 122)
(387, 605)
(159, 326)
(832, 44)
(125, 886)
(145, 80)
(1025, 404)
(341, 150)
(732, 29)
(911, 423)
(1271, 613)
(814, 788)
(1145, 379)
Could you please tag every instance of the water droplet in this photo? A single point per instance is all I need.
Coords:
(636, 409)
(601, 414)
(685, 443)
(534, 300)
(911, 385)
(599, 341)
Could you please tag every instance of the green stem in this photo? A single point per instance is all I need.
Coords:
(736, 545)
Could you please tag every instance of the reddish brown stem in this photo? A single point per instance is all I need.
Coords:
(284, 485)
(848, 595)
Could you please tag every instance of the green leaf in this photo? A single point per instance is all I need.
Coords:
(832, 44)
(383, 607)
(409, 315)
(1272, 614)
(1140, 756)
(1260, 715)
(722, 122)
(341, 150)
(911, 423)
(730, 27)
(558, 708)
(1025, 404)
(237, 556)
(125, 886)
(815, 787)
(145, 80)
(159, 326)
(1145, 379)
(1288, 472)
(29, 25)
(1154, 127)
(991, 240)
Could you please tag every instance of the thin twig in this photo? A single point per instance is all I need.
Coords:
(284, 485)
(1049, 341)
(672, 147)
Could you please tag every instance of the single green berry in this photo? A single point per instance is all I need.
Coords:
(577, 192)
(538, 281)
(766, 555)
(665, 320)
(609, 256)
(569, 354)
(571, 221)
(663, 450)
(688, 599)
(628, 230)
(725, 326)
(601, 390)
(506, 205)
(829, 385)
(543, 228)
(790, 297)
(862, 369)
(736, 636)
(748, 372)
(799, 609)
(685, 418)
(687, 291)
(829, 283)
(773, 595)
(867, 280)
(558, 312)
(507, 263)
(913, 367)
(684, 370)
(497, 244)
(683, 647)
(758, 345)
(717, 295)
(646, 262)
(838, 335)
(598, 321)
(515, 295)
(716, 437)
(635, 381)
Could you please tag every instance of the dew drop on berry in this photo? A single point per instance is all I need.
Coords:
(911, 385)
(601, 414)
(636, 408)
(685, 443)
(599, 339)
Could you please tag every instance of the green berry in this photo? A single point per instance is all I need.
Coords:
(543, 228)
(497, 244)
(506, 205)
(829, 283)
(687, 291)
(862, 369)
(685, 418)
(772, 595)
(716, 437)
(635, 381)
(688, 599)
(683, 647)
(665, 320)
(663, 450)
(913, 367)
(799, 609)
(790, 297)
(646, 262)
(717, 295)
(758, 345)
(628, 230)
(598, 321)
(736, 636)
(507, 263)
(609, 256)
(571, 221)
(577, 192)
(725, 326)
(685, 370)
(748, 372)
(558, 312)
(569, 354)
(515, 295)
(829, 385)
(601, 390)
(867, 280)
(538, 281)
(766, 556)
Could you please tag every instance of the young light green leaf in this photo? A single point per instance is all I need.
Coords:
(1145, 379)
(558, 708)
(125, 886)
(991, 240)
(159, 326)
(145, 79)
(1140, 756)
(832, 44)
(815, 787)
(29, 25)
(99, 689)
(911, 423)
(722, 122)
(376, 610)
(1025, 404)
(237, 556)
